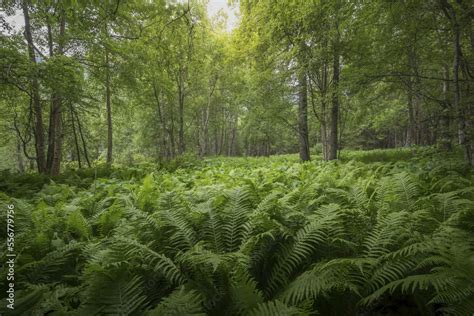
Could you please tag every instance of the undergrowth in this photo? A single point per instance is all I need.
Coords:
(368, 235)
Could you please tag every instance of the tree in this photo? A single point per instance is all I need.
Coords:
(35, 96)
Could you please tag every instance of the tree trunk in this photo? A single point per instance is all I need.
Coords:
(204, 142)
(462, 115)
(333, 134)
(58, 146)
(19, 156)
(171, 135)
(324, 119)
(463, 124)
(84, 146)
(445, 132)
(108, 107)
(181, 95)
(58, 138)
(223, 133)
(55, 130)
(35, 95)
(162, 141)
(324, 139)
(233, 137)
(303, 117)
(204, 134)
(216, 133)
(463, 136)
(76, 141)
(411, 130)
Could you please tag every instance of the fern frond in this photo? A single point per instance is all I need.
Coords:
(51, 266)
(236, 215)
(78, 224)
(244, 292)
(182, 235)
(322, 229)
(180, 302)
(117, 295)
(275, 308)
(388, 230)
(323, 278)
(398, 191)
(129, 249)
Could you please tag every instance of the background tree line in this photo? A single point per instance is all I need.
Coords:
(126, 81)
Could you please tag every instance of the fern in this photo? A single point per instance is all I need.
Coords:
(398, 192)
(388, 230)
(275, 308)
(244, 291)
(117, 295)
(180, 302)
(451, 275)
(78, 224)
(249, 237)
(322, 228)
(51, 267)
(320, 280)
(234, 221)
(129, 249)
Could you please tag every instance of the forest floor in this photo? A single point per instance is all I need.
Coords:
(383, 232)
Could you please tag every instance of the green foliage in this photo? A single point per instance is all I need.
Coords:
(64, 75)
(265, 236)
(114, 295)
(180, 302)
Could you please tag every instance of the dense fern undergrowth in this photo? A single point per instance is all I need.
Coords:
(378, 233)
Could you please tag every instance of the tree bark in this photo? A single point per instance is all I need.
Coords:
(463, 123)
(55, 131)
(223, 133)
(84, 146)
(333, 134)
(108, 107)
(204, 134)
(162, 141)
(171, 135)
(19, 156)
(411, 130)
(181, 95)
(57, 137)
(76, 142)
(303, 116)
(463, 134)
(35, 95)
(233, 136)
(445, 132)
(323, 120)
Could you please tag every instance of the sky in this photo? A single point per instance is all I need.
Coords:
(15, 21)
(213, 7)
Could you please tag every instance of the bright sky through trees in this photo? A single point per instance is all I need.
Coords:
(214, 7)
